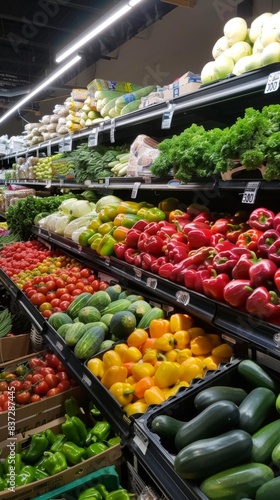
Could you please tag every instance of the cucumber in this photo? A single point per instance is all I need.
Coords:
(255, 408)
(58, 319)
(116, 306)
(215, 419)
(122, 324)
(139, 308)
(255, 375)
(208, 396)
(77, 304)
(237, 482)
(89, 314)
(264, 442)
(205, 457)
(275, 455)
(100, 300)
(269, 490)
(74, 333)
(89, 344)
(166, 427)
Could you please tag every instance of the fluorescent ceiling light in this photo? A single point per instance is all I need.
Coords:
(40, 87)
(103, 23)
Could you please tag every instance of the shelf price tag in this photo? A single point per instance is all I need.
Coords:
(137, 273)
(140, 440)
(49, 148)
(93, 138)
(272, 84)
(135, 188)
(250, 193)
(276, 339)
(112, 130)
(48, 183)
(182, 297)
(86, 379)
(152, 282)
(107, 181)
(61, 145)
(167, 117)
(59, 345)
(68, 144)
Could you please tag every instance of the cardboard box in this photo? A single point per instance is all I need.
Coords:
(14, 347)
(112, 456)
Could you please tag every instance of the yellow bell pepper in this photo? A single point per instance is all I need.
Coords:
(131, 380)
(201, 345)
(154, 396)
(95, 223)
(196, 331)
(158, 327)
(152, 356)
(173, 390)
(122, 392)
(179, 321)
(105, 227)
(182, 339)
(114, 374)
(167, 374)
(137, 337)
(223, 351)
(128, 207)
(215, 339)
(120, 350)
(172, 355)
(132, 354)
(183, 355)
(212, 362)
(165, 343)
(111, 358)
(191, 368)
(120, 233)
(96, 367)
(141, 370)
(107, 213)
(135, 408)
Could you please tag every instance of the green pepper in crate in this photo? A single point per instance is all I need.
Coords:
(75, 430)
(50, 435)
(71, 406)
(102, 490)
(60, 439)
(101, 430)
(119, 495)
(3, 484)
(40, 465)
(95, 449)
(40, 474)
(113, 441)
(12, 464)
(73, 453)
(25, 476)
(55, 463)
(90, 494)
(38, 445)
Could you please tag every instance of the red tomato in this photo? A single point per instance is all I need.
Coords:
(60, 368)
(52, 360)
(88, 288)
(3, 399)
(46, 370)
(65, 304)
(29, 376)
(65, 296)
(56, 309)
(85, 272)
(55, 302)
(103, 285)
(17, 384)
(53, 392)
(95, 285)
(37, 377)
(50, 296)
(26, 385)
(38, 298)
(91, 278)
(36, 362)
(42, 289)
(27, 284)
(71, 280)
(62, 375)
(6, 406)
(30, 292)
(52, 380)
(50, 284)
(80, 285)
(60, 291)
(59, 282)
(70, 288)
(64, 385)
(3, 385)
(41, 388)
(47, 313)
(76, 292)
(35, 398)
(22, 397)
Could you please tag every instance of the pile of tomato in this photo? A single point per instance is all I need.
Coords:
(38, 378)
(19, 256)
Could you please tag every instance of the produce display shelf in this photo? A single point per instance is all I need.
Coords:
(9, 284)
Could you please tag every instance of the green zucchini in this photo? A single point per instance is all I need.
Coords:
(275, 455)
(255, 408)
(74, 333)
(237, 482)
(139, 308)
(100, 300)
(205, 457)
(153, 313)
(77, 304)
(264, 442)
(269, 490)
(122, 324)
(58, 319)
(216, 393)
(215, 419)
(116, 306)
(89, 344)
(114, 290)
(166, 427)
(89, 314)
(255, 375)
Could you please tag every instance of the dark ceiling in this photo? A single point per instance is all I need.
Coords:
(32, 32)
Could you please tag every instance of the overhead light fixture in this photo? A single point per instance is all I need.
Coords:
(40, 87)
(103, 23)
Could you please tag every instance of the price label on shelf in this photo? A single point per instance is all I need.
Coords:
(272, 84)
(152, 283)
(112, 130)
(68, 144)
(86, 379)
(107, 181)
(183, 297)
(135, 188)
(137, 273)
(59, 345)
(61, 145)
(49, 148)
(93, 138)
(167, 118)
(250, 193)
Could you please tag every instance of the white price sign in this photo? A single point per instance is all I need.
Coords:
(272, 84)
(250, 193)
(93, 138)
(167, 117)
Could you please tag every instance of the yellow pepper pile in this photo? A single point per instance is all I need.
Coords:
(152, 365)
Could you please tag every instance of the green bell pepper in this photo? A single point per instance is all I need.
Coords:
(106, 245)
(155, 215)
(119, 495)
(38, 445)
(90, 494)
(50, 435)
(73, 453)
(40, 474)
(102, 490)
(75, 430)
(3, 484)
(60, 439)
(95, 240)
(101, 430)
(71, 406)
(25, 476)
(95, 449)
(113, 441)
(95, 412)
(55, 463)
(40, 465)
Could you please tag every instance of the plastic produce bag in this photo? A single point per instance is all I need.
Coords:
(143, 152)
(76, 224)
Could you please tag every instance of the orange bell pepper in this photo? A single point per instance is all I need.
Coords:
(167, 374)
(154, 396)
(158, 327)
(182, 339)
(142, 385)
(96, 367)
(129, 366)
(114, 374)
(122, 392)
(165, 343)
(120, 233)
(141, 370)
(137, 338)
(149, 344)
(201, 345)
(131, 354)
(180, 321)
(191, 368)
(139, 407)
(111, 358)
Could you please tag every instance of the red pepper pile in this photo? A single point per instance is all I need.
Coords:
(233, 259)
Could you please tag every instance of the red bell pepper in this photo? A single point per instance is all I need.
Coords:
(277, 279)
(273, 252)
(190, 276)
(194, 209)
(166, 269)
(261, 219)
(213, 287)
(203, 217)
(249, 239)
(220, 226)
(262, 272)
(179, 216)
(195, 258)
(130, 254)
(153, 244)
(179, 237)
(263, 303)
(194, 225)
(276, 222)
(198, 238)
(176, 252)
(140, 225)
(156, 264)
(221, 244)
(152, 228)
(132, 237)
(267, 239)
(138, 259)
(235, 230)
(225, 261)
(119, 249)
(243, 265)
(141, 241)
(194, 278)
(236, 292)
(147, 260)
